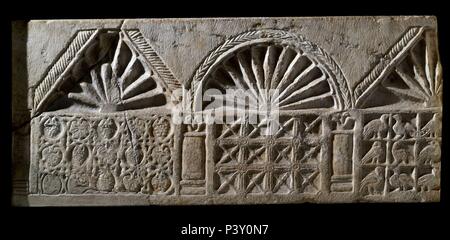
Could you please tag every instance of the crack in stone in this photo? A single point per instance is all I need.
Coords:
(131, 134)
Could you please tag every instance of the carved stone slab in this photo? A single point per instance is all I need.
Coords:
(226, 111)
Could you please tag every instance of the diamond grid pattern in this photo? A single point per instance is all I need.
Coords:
(253, 163)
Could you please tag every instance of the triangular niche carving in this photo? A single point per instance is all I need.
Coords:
(414, 80)
(110, 76)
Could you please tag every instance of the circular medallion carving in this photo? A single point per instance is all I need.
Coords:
(52, 155)
(79, 155)
(107, 128)
(161, 128)
(79, 129)
(52, 127)
(51, 184)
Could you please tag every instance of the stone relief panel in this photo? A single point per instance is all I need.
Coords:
(104, 154)
(193, 160)
(90, 133)
(286, 163)
(111, 122)
(262, 61)
(105, 71)
(400, 153)
(410, 73)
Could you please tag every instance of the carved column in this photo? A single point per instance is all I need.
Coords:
(34, 173)
(357, 140)
(342, 163)
(210, 145)
(178, 139)
(193, 162)
(325, 168)
(342, 142)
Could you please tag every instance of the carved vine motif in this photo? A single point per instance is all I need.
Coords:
(261, 65)
(402, 153)
(102, 154)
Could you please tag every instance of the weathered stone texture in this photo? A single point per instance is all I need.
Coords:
(348, 109)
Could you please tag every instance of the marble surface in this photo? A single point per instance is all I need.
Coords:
(117, 111)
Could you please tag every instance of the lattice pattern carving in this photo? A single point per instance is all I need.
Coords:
(285, 163)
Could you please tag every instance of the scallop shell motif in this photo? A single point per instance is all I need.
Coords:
(421, 73)
(276, 75)
(122, 82)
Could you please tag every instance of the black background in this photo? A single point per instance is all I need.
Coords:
(295, 221)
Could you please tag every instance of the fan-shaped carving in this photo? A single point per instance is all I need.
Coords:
(410, 74)
(261, 69)
(420, 71)
(111, 76)
(303, 75)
